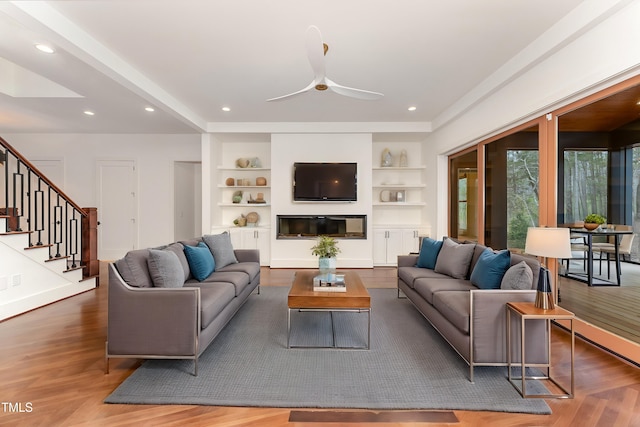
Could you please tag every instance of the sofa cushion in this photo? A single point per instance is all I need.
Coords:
(238, 279)
(178, 249)
(252, 269)
(518, 276)
(490, 269)
(533, 264)
(165, 269)
(427, 288)
(134, 269)
(221, 248)
(454, 259)
(201, 262)
(429, 251)
(455, 306)
(410, 274)
(214, 297)
(477, 251)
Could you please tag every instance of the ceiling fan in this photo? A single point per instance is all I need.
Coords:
(316, 50)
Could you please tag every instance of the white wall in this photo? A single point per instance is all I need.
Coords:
(154, 155)
(286, 149)
(602, 56)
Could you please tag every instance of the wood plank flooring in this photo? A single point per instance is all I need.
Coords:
(613, 308)
(52, 374)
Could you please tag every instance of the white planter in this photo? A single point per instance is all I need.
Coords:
(327, 265)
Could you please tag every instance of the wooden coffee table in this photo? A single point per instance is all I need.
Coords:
(303, 298)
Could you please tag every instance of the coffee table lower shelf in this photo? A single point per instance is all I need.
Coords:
(333, 331)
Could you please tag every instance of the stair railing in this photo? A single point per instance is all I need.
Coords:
(36, 205)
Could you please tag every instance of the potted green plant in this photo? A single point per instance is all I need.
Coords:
(326, 249)
(593, 221)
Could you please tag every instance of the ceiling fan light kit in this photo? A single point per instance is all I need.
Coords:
(316, 50)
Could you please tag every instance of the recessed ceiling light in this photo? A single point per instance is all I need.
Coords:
(149, 109)
(45, 48)
(89, 113)
(412, 108)
(226, 109)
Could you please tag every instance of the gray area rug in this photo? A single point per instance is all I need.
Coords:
(409, 365)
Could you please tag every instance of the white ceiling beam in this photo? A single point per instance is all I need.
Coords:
(82, 45)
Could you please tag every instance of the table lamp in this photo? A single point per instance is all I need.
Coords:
(547, 242)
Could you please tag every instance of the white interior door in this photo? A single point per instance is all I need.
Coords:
(117, 208)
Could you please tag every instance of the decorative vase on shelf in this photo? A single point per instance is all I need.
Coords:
(237, 197)
(404, 162)
(387, 158)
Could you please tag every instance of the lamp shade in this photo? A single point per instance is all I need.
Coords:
(548, 242)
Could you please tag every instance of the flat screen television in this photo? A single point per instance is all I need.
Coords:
(327, 182)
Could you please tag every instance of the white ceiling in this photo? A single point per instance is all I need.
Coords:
(189, 58)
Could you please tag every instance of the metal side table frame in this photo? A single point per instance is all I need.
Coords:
(525, 311)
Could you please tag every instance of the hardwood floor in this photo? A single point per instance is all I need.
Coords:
(613, 308)
(52, 373)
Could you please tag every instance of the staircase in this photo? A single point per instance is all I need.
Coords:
(48, 248)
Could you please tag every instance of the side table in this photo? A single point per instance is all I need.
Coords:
(525, 311)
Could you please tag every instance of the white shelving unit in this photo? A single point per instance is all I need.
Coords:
(397, 225)
(258, 237)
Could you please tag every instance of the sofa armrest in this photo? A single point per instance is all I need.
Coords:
(407, 260)
(247, 255)
(488, 327)
(151, 321)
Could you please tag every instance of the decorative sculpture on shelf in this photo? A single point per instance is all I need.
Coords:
(404, 162)
(387, 158)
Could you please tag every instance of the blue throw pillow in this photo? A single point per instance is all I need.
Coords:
(490, 268)
(429, 253)
(200, 260)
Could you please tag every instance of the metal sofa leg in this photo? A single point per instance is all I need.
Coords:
(106, 357)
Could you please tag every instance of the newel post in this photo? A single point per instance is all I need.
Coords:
(90, 243)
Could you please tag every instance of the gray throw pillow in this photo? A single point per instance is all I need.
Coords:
(518, 276)
(134, 268)
(178, 249)
(165, 269)
(454, 259)
(221, 249)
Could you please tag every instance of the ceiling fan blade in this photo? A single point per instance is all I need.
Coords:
(315, 52)
(308, 88)
(352, 92)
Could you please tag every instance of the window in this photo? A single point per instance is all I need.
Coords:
(522, 195)
(585, 184)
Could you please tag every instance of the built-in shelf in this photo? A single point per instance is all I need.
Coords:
(398, 168)
(230, 187)
(244, 205)
(389, 186)
(404, 204)
(222, 168)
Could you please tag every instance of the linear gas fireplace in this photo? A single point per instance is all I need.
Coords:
(311, 226)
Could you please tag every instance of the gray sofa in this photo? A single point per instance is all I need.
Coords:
(473, 320)
(179, 320)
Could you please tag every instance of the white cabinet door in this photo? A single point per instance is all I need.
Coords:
(394, 245)
(410, 241)
(379, 246)
(262, 242)
(387, 245)
(253, 238)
